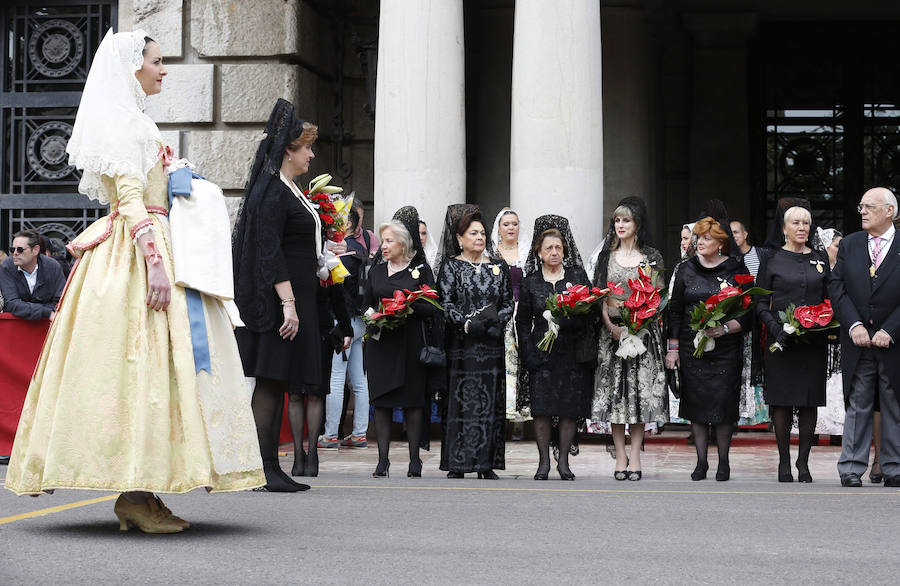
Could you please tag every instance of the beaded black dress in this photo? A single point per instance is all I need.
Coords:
(475, 424)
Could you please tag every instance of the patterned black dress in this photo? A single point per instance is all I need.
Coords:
(475, 424)
(711, 384)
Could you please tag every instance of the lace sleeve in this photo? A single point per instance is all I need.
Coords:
(449, 296)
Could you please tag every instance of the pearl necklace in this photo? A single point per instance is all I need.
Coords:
(475, 265)
(393, 271)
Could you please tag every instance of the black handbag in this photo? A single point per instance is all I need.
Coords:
(431, 355)
(673, 381)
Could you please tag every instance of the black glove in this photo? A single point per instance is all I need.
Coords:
(489, 316)
(781, 338)
(568, 323)
(533, 360)
(477, 328)
(494, 331)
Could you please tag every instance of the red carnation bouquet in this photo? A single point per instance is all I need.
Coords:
(575, 300)
(393, 311)
(797, 321)
(645, 303)
(728, 304)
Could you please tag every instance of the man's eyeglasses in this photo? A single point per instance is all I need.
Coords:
(869, 207)
(17, 249)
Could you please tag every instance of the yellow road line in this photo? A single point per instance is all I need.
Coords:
(60, 508)
(615, 491)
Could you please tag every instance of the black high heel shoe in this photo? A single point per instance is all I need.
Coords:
(699, 472)
(784, 473)
(311, 468)
(455, 475)
(543, 472)
(299, 463)
(567, 475)
(278, 481)
(803, 474)
(382, 470)
(488, 475)
(723, 472)
(415, 469)
(635, 475)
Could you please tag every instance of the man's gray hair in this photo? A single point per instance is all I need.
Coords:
(891, 200)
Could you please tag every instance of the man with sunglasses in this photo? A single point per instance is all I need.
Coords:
(31, 283)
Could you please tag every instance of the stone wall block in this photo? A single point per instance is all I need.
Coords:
(223, 156)
(250, 90)
(162, 20)
(231, 28)
(187, 95)
(173, 139)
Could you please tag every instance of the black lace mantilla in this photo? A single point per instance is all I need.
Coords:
(257, 257)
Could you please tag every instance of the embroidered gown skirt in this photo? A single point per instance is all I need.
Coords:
(115, 402)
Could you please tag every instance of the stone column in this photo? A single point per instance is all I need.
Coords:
(420, 152)
(556, 158)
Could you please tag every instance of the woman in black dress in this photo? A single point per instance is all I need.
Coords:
(478, 303)
(795, 377)
(276, 244)
(397, 378)
(559, 382)
(711, 384)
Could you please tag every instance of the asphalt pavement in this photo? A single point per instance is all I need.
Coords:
(353, 529)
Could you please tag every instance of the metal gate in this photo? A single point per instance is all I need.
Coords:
(47, 51)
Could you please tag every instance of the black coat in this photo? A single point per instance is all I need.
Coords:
(874, 301)
(396, 376)
(37, 304)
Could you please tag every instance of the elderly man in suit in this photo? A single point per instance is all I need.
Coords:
(31, 283)
(865, 292)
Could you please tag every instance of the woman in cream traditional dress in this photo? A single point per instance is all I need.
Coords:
(509, 242)
(116, 402)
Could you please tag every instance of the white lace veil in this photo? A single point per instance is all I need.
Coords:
(112, 135)
(524, 237)
(431, 248)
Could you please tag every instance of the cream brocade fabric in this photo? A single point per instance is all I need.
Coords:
(115, 403)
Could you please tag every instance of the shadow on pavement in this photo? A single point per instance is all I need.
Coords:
(110, 529)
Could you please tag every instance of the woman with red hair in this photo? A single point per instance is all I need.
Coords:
(711, 384)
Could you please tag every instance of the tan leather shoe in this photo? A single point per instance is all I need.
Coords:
(148, 517)
(178, 520)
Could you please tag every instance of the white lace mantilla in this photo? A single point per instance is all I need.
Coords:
(112, 136)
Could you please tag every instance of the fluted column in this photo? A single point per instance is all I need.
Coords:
(420, 151)
(556, 155)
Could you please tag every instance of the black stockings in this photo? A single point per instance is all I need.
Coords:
(268, 406)
(414, 417)
(566, 438)
(806, 425)
(723, 444)
(306, 410)
(542, 427)
(415, 427)
(383, 436)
